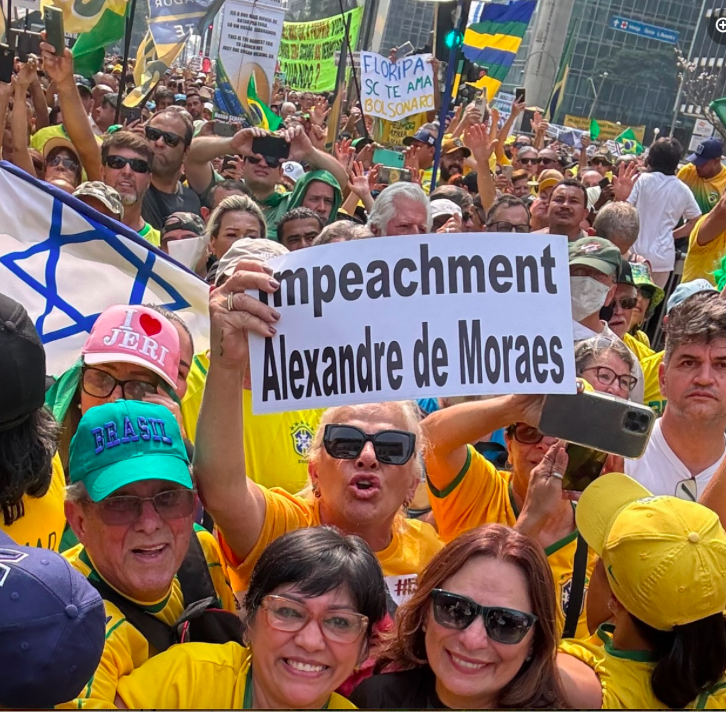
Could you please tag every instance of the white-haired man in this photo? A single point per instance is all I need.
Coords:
(401, 209)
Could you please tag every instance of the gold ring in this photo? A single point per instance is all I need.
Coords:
(230, 301)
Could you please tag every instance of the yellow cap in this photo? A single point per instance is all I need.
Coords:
(665, 558)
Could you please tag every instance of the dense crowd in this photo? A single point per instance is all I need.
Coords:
(164, 547)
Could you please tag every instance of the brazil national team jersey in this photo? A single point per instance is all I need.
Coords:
(126, 648)
(480, 494)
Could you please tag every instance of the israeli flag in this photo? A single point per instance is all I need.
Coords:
(66, 263)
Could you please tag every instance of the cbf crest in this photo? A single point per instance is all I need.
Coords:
(302, 439)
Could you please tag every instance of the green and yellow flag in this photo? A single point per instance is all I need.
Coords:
(629, 143)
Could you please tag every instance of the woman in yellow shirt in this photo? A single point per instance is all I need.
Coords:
(313, 600)
(664, 563)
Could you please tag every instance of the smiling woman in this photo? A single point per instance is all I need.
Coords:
(313, 600)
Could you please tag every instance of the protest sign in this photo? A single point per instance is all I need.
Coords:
(307, 50)
(439, 316)
(608, 129)
(394, 90)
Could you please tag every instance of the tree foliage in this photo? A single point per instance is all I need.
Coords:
(639, 66)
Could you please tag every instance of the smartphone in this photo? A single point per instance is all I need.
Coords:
(599, 421)
(130, 113)
(584, 466)
(388, 175)
(360, 127)
(54, 33)
(386, 157)
(25, 42)
(223, 128)
(519, 94)
(272, 146)
(230, 161)
(404, 50)
(7, 63)
(482, 102)
(604, 183)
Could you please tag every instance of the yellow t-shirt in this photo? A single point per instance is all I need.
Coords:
(653, 398)
(413, 545)
(480, 494)
(392, 133)
(276, 445)
(42, 136)
(703, 260)
(44, 520)
(706, 191)
(198, 676)
(640, 350)
(625, 674)
(151, 234)
(126, 648)
(641, 336)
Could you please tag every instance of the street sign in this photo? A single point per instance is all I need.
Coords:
(702, 129)
(651, 32)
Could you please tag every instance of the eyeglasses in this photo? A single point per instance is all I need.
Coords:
(527, 434)
(548, 161)
(504, 226)
(170, 139)
(68, 163)
(626, 304)
(99, 384)
(346, 442)
(118, 163)
(271, 161)
(291, 616)
(607, 377)
(125, 509)
(529, 161)
(503, 625)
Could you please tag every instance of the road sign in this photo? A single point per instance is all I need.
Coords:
(651, 32)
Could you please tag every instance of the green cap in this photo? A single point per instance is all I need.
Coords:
(596, 252)
(127, 441)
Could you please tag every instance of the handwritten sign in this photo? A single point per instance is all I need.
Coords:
(394, 90)
(461, 315)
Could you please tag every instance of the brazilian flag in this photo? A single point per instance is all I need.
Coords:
(263, 115)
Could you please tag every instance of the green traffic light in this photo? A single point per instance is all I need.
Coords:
(454, 38)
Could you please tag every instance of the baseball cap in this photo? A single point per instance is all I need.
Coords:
(688, 289)
(548, 178)
(360, 143)
(105, 193)
(123, 442)
(248, 248)
(180, 97)
(452, 143)
(58, 142)
(643, 280)
(118, 68)
(595, 252)
(183, 221)
(22, 361)
(134, 334)
(421, 135)
(293, 170)
(605, 155)
(52, 628)
(664, 557)
(83, 83)
(443, 206)
(626, 273)
(706, 150)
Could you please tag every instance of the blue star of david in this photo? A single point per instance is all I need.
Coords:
(82, 323)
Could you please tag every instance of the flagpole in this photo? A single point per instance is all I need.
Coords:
(125, 63)
(352, 67)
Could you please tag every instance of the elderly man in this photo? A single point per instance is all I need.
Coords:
(131, 504)
(619, 223)
(508, 214)
(401, 209)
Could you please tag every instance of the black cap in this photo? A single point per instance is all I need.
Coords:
(626, 274)
(22, 363)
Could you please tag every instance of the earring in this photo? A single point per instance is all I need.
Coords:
(316, 492)
(406, 503)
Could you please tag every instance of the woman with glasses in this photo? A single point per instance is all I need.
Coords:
(479, 633)
(606, 364)
(467, 491)
(312, 602)
(364, 461)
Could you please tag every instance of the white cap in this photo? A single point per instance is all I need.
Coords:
(248, 248)
(293, 170)
(443, 206)
(209, 106)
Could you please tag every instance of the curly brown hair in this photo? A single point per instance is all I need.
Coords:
(537, 685)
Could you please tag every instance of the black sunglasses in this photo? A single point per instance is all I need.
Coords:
(117, 163)
(170, 139)
(504, 625)
(529, 161)
(271, 161)
(346, 442)
(526, 434)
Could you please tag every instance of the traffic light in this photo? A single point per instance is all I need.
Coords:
(448, 36)
(453, 38)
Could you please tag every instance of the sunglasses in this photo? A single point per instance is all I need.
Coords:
(99, 384)
(271, 161)
(606, 376)
(548, 161)
(68, 163)
(529, 161)
(118, 163)
(599, 162)
(504, 226)
(291, 616)
(527, 434)
(346, 442)
(503, 625)
(626, 304)
(125, 509)
(170, 139)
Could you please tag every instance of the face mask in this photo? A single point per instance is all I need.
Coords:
(587, 296)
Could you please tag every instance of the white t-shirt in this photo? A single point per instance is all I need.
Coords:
(661, 472)
(661, 201)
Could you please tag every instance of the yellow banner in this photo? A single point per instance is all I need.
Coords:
(609, 130)
(83, 15)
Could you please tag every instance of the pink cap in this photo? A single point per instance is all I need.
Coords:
(135, 334)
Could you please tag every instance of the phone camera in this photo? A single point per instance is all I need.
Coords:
(636, 422)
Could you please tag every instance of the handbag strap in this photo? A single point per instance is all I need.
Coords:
(577, 593)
